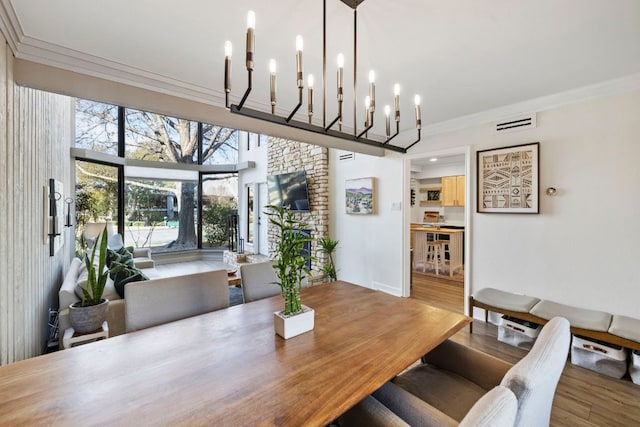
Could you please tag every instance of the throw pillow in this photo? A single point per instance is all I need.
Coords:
(120, 255)
(123, 273)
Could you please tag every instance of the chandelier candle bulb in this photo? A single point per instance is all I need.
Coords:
(367, 107)
(372, 90)
(299, 46)
(340, 76)
(387, 113)
(251, 41)
(418, 113)
(310, 84)
(396, 101)
(272, 84)
(227, 66)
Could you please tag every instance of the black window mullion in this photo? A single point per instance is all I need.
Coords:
(199, 231)
(199, 201)
(200, 136)
(121, 178)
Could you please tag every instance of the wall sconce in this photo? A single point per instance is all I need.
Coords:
(551, 191)
(52, 225)
(68, 223)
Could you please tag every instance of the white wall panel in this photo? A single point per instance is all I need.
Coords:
(36, 136)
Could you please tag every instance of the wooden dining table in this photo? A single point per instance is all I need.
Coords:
(228, 368)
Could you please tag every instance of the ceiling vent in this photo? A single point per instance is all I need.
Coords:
(517, 123)
(346, 156)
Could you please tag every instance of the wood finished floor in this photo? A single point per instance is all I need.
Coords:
(583, 397)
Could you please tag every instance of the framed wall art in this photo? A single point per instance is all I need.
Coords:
(359, 197)
(508, 179)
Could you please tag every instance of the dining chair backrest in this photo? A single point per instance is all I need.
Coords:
(535, 377)
(497, 408)
(258, 281)
(158, 301)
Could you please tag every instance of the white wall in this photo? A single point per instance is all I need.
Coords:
(250, 178)
(370, 249)
(583, 247)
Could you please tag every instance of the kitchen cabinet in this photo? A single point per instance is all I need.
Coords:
(453, 190)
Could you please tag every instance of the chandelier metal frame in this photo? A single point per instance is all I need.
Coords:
(325, 129)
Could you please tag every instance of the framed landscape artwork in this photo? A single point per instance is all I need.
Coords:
(359, 197)
(508, 179)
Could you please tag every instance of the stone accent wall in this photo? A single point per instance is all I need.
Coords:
(290, 156)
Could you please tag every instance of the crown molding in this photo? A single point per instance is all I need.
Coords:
(9, 24)
(617, 86)
(71, 60)
(39, 51)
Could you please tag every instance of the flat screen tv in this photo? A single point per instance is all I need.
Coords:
(289, 190)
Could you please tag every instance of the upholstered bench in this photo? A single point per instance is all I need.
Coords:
(577, 317)
(511, 304)
(625, 327)
(613, 329)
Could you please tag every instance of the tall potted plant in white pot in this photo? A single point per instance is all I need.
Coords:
(290, 269)
(88, 314)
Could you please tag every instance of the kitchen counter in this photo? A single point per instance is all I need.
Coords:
(455, 242)
(434, 227)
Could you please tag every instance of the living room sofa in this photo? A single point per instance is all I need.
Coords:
(116, 315)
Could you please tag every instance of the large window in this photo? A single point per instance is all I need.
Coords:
(160, 202)
(97, 126)
(250, 212)
(160, 138)
(219, 207)
(96, 197)
(219, 145)
(161, 214)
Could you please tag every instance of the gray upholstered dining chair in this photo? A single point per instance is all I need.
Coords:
(165, 300)
(452, 378)
(496, 408)
(258, 281)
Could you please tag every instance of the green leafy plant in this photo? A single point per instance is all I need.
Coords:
(290, 261)
(97, 276)
(328, 246)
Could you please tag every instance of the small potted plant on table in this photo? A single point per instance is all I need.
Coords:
(290, 270)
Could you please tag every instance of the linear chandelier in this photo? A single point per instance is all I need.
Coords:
(369, 102)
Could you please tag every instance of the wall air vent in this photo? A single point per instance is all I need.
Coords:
(346, 156)
(516, 123)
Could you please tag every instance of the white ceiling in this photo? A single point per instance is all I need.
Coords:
(463, 57)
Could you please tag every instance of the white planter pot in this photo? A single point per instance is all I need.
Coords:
(88, 319)
(290, 326)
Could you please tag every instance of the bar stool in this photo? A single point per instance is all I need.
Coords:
(433, 253)
(444, 251)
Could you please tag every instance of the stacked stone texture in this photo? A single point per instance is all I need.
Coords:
(290, 156)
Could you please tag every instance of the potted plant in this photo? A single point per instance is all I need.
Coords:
(88, 314)
(290, 270)
(328, 246)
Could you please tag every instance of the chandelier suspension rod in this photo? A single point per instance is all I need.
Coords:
(355, 71)
(324, 65)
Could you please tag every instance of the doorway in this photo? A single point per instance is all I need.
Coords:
(437, 223)
(263, 219)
